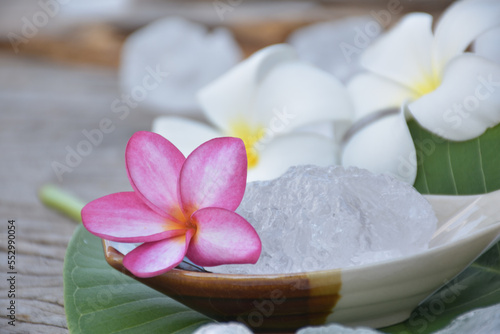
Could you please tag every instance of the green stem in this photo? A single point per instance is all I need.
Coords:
(62, 202)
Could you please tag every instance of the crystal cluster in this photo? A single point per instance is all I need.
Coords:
(337, 329)
(226, 328)
(316, 218)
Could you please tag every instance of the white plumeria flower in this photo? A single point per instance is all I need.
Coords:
(488, 45)
(335, 46)
(261, 101)
(188, 56)
(429, 77)
(224, 328)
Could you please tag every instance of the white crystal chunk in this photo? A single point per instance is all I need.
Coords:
(228, 328)
(337, 329)
(317, 218)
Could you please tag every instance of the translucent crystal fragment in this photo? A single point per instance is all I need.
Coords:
(316, 218)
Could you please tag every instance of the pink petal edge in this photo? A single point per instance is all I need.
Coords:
(124, 217)
(153, 167)
(223, 237)
(214, 175)
(155, 258)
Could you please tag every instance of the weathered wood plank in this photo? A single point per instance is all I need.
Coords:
(43, 109)
(255, 24)
(45, 106)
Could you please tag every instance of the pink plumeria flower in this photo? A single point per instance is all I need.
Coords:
(179, 207)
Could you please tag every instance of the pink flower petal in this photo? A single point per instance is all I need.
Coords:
(214, 175)
(223, 237)
(124, 217)
(155, 258)
(153, 166)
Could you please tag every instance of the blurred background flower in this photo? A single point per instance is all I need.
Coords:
(261, 101)
(488, 45)
(332, 45)
(79, 77)
(193, 59)
(448, 91)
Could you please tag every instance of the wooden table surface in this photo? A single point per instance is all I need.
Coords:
(44, 107)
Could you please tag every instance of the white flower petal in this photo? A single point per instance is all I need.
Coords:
(291, 150)
(384, 146)
(460, 24)
(325, 129)
(466, 103)
(404, 53)
(298, 94)
(82, 12)
(232, 95)
(371, 92)
(336, 46)
(225, 328)
(488, 45)
(184, 133)
(331, 130)
(190, 55)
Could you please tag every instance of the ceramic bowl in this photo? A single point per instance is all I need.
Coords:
(375, 295)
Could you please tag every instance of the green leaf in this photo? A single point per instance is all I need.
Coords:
(457, 168)
(99, 299)
(477, 286)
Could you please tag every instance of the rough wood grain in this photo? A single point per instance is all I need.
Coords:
(255, 24)
(43, 108)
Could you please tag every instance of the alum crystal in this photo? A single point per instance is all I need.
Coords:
(316, 218)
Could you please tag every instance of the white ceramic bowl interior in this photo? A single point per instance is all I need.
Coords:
(385, 293)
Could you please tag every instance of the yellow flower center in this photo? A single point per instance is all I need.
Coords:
(250, 136)
(427, 85)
